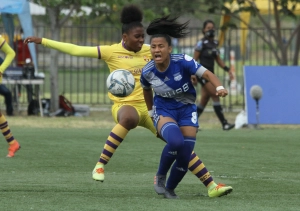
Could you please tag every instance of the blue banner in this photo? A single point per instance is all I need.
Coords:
(280, 101)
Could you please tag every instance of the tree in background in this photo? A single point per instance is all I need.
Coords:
(57, 19)
(153, 9)
(279, 10)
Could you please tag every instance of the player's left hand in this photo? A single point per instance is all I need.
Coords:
(222, 93)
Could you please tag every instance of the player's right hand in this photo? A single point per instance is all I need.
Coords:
(222, 93)
(194, 80)
(35, 40)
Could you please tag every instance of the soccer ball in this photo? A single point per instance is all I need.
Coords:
(120, 83)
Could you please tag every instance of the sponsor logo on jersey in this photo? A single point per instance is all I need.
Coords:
(172, 93)
(136, 71)
(147, 59)
(125, 57)
(177, 77)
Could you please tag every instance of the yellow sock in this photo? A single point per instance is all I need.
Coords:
(6, 131)
(115, 138)
(199, 170)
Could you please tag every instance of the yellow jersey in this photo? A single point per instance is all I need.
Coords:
(116, 57)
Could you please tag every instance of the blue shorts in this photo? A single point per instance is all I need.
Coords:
(184, 116)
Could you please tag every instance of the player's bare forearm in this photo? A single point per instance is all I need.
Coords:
(220, 62)
(208, 75)
(220, 90)
(148, 96)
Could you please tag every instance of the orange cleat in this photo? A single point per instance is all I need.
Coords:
(13, 148)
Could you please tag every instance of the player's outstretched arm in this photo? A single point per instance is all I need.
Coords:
(220, 90)
(68, 48)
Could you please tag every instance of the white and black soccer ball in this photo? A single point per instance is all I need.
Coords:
(120, 83)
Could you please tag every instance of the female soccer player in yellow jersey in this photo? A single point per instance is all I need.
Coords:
(12, 142)
(131, 111)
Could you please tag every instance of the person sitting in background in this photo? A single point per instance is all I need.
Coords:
(14, 146)
(6, 93)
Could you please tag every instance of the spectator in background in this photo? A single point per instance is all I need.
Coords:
(206, 52)
(13, 143)
(21, 49)
(24, 60)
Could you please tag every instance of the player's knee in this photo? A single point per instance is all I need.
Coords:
(128, 122)
(172, 134)
(176, 143)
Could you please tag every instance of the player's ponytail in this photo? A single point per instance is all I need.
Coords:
(131, 17)
(167, 27)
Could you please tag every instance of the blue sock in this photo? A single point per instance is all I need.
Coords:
(166, 160)
(174, 138)
(180, 167)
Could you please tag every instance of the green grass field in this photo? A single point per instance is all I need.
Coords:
(52, 171)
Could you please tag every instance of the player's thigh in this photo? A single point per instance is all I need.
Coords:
(188, 131)
(125, 113)
(145, 119)
(162, 121)
(163, 115)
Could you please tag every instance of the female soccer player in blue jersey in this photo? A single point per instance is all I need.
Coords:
(12, 142)
(173, 107)
(131, 111)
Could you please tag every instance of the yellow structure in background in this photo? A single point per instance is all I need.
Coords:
(264, 6)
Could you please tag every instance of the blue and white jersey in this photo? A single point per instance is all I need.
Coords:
(173, 88)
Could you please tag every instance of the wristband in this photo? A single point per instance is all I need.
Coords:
(226, 69)
(220, 88)
(150, 112)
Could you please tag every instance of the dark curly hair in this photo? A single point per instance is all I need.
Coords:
(131, 17)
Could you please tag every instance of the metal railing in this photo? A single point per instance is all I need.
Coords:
(83, 80)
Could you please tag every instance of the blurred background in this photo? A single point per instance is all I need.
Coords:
(260, 33)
